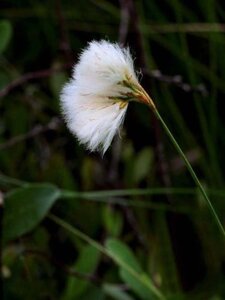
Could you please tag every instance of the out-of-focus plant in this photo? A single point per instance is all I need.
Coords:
(138, 204)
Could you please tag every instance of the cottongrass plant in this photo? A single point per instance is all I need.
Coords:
(95, 100)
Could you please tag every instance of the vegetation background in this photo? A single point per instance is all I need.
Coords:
(155, 236)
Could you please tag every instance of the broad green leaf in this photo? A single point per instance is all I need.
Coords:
(137, 286)
(123, 253)
(115, 292)
(143, 286)
(5, 34)
(25, 208)
(86, 264)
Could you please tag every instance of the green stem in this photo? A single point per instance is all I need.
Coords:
(192, 172)
(106, 252)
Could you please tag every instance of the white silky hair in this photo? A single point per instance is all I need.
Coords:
(88, 99)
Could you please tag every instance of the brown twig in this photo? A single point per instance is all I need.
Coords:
(38, 129)
(31, 76)
(177, 81)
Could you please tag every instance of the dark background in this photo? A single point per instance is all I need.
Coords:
(179, 49)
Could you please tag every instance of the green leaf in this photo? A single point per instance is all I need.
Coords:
(115, 292)
(26, 207)
(137, 286)
(120, 254)
(5, 34)
(86, 264)
(124, 254)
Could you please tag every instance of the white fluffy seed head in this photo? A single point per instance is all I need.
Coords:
(95, 100)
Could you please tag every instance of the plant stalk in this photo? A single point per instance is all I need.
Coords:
(190, 169)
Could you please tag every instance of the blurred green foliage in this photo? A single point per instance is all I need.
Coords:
(150, 216)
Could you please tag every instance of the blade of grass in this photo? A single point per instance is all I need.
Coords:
(138, 192)
(213, 160)
(211, 16)
(153, 289)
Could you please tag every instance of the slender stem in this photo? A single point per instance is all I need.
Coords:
(192, 172)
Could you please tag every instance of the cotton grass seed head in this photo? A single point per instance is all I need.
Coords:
(95, 100)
